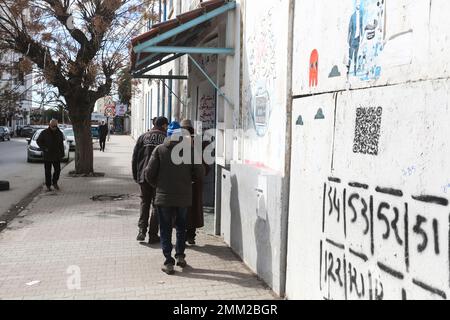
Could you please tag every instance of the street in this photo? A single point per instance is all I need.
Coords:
(23, 177)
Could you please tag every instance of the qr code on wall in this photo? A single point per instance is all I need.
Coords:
(367, 130)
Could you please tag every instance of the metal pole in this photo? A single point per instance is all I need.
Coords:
(109, 131)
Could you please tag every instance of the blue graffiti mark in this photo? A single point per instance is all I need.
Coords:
(409, 171)
(446, 188)
(319, 115)
(300, 121)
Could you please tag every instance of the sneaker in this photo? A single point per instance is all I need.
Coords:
(152, 239)
(168, 268)
(56, 187)
(141, 236)
(181, 262)
(49, 189)
(190, 241)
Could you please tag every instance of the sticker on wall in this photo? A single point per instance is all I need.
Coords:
(319, 115)
(366, 39)
(367, 130)
(334, 73)
(314, 69)
(299, 121)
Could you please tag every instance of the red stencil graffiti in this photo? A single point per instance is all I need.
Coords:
(314, 69)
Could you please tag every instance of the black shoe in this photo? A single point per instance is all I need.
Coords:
(152, 239)
(56, 187)
(49, 189)
(168, 268)
(190, 241)
(141, 236)
(181, 262)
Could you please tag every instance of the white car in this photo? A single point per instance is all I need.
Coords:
(34, 153)
(70, 138)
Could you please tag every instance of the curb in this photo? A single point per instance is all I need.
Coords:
(16, 209)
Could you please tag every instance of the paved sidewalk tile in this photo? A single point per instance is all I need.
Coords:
(65, 239)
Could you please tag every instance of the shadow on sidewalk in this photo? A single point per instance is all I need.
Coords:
(246, 280)
(222, 252)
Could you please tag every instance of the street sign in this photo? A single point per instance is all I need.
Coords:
(110, 111)
(121, 110)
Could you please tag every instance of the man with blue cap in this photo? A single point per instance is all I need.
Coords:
(173, 182)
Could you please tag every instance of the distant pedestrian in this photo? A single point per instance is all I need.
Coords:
(195, 217)
(141, 156)
(102, 134)
(51, 141)
(173, 183)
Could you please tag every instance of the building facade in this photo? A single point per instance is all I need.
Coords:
(331, 175)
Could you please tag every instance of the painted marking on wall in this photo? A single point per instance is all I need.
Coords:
(385, 239)
(366, 39)
(390, 271)
(390, 191)
(432, 199)
(319, 115)
(334, 179)
(314, 69)
(430, 289)
(299, 121)
(334, 73)
(367, 130)
(358, 185)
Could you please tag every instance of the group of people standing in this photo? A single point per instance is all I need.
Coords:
(171, 193)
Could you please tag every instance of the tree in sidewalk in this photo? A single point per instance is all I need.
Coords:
(79, 45)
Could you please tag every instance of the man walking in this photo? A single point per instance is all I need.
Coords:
(195, 217)
(173, 183)
(103, 133)
(51, 141)
(141, 155)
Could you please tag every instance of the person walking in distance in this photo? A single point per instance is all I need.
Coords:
(103, 133)
(51, 141)
(141, 155)
(195, 217)
(173, 182)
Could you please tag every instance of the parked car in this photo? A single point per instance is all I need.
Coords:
(34, 153)
(4, 134)
(27, 131)
(70, 138)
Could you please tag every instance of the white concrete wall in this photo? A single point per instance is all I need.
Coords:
(369, 213)
(252, 214)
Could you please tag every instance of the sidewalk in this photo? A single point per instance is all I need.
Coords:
(59, 234)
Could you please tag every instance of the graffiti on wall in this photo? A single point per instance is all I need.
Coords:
(314, 69)
(207, 112)
(383, 244)
(367, 130)
(261, 48)
(366, 35)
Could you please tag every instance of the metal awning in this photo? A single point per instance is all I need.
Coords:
(172, 39)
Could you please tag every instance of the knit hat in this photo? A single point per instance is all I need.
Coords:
(173, 128)
(186, 124)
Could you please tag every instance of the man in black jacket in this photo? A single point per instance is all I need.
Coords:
(141, 155)
(51, 141)
(102, 134)
(173, 183)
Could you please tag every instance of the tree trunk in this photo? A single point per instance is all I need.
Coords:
(81, 122)
(84, 151)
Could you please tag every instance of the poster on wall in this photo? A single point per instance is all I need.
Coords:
(366, 34)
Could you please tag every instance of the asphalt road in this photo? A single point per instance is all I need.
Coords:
(23, 177)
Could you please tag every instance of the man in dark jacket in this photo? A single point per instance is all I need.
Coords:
(51, 141)
(141, 155)
(102, 134)
(195, 218)
(173, 184)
